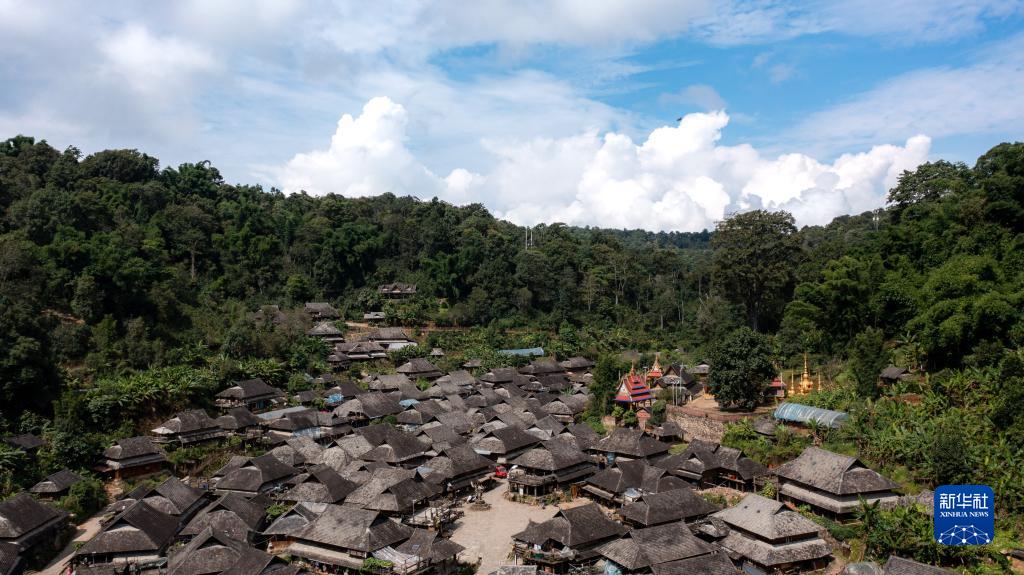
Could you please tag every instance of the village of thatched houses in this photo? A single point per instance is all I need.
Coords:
(377, 475)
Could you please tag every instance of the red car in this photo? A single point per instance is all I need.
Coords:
(500, 472)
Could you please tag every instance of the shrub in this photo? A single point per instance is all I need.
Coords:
(85, 498)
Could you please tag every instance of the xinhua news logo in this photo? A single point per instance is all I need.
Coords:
(964, 515)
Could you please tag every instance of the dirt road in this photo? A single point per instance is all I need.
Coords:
(488, 534)
(86, 531)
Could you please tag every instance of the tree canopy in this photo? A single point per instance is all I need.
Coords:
(743, 367)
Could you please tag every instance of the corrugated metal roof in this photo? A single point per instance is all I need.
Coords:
(804, 413)
(525, 352)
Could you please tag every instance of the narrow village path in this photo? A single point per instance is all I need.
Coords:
(86, 531)
(487, 535)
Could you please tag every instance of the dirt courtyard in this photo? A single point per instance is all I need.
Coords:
(488, 534)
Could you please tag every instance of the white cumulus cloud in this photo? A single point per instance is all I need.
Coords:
(367, 156)
(152, 64)
(679, 178)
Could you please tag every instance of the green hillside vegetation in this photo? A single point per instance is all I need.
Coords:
(127, 292)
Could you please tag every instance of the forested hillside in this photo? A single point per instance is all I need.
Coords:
(109, 260)
(127, 289)
(109, 263)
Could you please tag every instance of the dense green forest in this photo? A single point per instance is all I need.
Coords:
(127, 290)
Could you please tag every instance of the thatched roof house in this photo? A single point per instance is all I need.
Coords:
(139, 534)
(397, 289)
(627, 444)
(134, 456)
(903, 566)
(257, 475)
(641, 549)
(321, 310)
(832, 484)
(359, 351)
(27, 442)
(504, 444)
(368, 406)
(457, 468)
(239, 420)
(671, 506)
(557, 462)
(419, 368)
(172, 497)
(188, 427)
(55, 485)
(771, 537)
(252, 394)
(572, 535)
(233, 514)
(26, 523)
(628, 480)
(393, 490)
(321, 485)
(214, 553)
(345, 536)
(709, 464)
(577, 364)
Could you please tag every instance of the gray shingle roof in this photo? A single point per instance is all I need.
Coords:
(232, 514)
(173, 497)
(392, 489)
(237, 418)
(369, 405)
(768, 519)
(552, 455)
(892, 372)
(255, 474)
(214, 553)
(295, 519)
(321, 485)
(26, 441)
(141, 528)
(250, 389)
(353, 528)
(419, 367)
(635, 475)
(573, 527)
(577, 363)
(22, 514)
(705, 456)
(833, 473)
(630, 442)
(902, 566)
(542, 366)
(56, 483)
(188, 421)
(505, 440)
(130, 447)
(642, 548)
(667, 506)
(429, 546)
(710, 564)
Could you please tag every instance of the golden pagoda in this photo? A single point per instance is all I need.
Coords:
(655, 371)
(806, 384)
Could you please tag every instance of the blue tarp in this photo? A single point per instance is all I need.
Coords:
(798, 413)
(525, 352)
(408, 402)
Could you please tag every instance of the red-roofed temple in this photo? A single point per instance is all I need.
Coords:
(634, 391)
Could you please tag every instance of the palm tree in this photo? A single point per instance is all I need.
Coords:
(817, 430)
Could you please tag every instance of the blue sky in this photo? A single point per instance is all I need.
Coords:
(542, 110)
